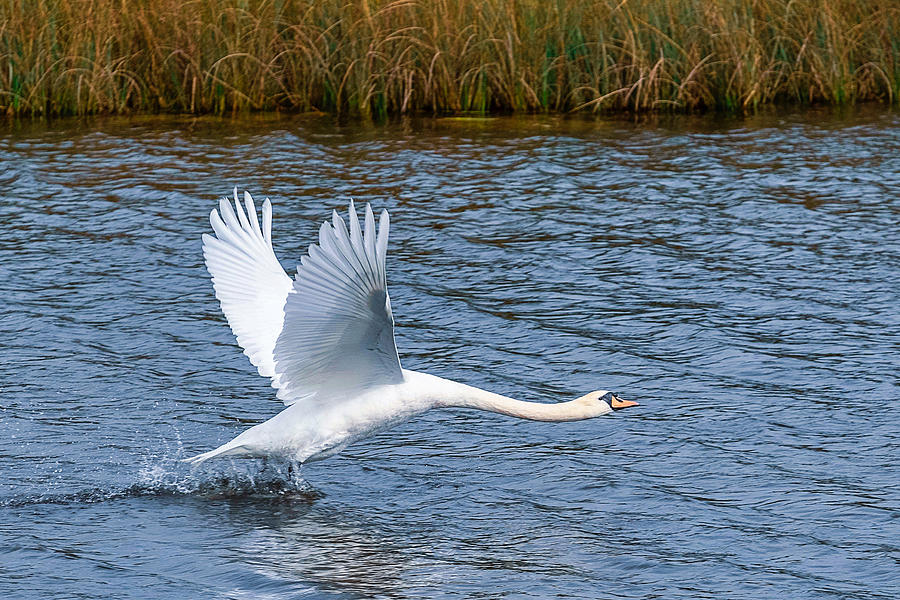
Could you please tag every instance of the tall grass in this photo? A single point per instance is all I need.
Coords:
(374, 57)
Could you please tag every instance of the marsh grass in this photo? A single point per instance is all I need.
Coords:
(371, 58)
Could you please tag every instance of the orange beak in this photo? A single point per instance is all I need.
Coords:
(618, 403)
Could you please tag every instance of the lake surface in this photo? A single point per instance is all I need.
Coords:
(740, 279)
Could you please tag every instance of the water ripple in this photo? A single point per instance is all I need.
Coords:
(738, 278)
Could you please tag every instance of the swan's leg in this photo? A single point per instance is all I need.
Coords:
(293, 471)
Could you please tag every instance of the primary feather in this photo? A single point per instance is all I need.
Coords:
(248, 279)
(328, 333)
(338, 335)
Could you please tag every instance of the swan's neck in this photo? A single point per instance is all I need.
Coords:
(450, 394)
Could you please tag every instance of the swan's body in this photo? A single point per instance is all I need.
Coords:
(326, 339)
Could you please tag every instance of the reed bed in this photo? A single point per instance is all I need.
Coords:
(372, 58)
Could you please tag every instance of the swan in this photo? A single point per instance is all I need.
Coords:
(326, 339)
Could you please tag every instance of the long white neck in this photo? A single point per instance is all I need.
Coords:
(445, 393)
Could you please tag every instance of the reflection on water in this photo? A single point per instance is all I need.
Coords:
(738, 278)
(330, 549)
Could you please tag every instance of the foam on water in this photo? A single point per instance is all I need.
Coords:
(252, 479)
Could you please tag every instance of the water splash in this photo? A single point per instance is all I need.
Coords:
(170, 478)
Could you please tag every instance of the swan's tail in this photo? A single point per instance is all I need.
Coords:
(224, 450)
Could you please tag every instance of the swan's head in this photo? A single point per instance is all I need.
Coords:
(611, 400)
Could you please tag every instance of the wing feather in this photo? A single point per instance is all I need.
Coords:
(323, 336)
(338, 334)
(248, 279)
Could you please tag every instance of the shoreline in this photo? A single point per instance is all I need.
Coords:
(767, 114)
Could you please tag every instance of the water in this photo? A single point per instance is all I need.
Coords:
(738, 278)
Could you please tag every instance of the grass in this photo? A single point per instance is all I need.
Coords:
(371, 58)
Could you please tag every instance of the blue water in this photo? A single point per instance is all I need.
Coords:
(740, 279)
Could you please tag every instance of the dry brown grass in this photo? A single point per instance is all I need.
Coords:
(372, 57)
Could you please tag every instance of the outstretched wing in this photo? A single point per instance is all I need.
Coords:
(248, 279)
(338, 335)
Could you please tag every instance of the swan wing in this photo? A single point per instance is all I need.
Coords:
(249, 281)
(338, 335)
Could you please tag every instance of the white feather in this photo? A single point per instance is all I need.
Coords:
(248, 279)
(338, 336)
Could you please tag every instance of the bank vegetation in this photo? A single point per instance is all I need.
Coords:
(372, 58)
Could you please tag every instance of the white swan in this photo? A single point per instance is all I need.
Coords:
(326, 339)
